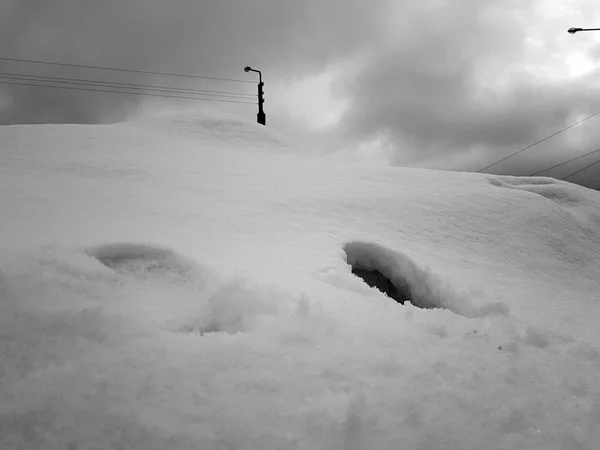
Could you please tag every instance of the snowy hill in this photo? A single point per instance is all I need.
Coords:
(186, 281)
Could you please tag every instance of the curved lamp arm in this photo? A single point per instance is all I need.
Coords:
(574, 30)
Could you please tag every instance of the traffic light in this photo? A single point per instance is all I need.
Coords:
(261, 116)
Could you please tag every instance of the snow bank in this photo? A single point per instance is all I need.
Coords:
(162, 291)
(99, 356)
(576, 199)
(217, 128)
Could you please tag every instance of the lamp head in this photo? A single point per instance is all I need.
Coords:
(573, 30)
(247, 69)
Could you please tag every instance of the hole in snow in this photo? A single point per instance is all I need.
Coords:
(399, 278)
(144, 261)
(376, 279)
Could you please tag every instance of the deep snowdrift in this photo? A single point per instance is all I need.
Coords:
(177, 282)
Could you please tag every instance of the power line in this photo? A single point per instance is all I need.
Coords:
(566, 162)
(85, 66)
(127, 93)
(167, 89)
(540, 141)
(581, 170)
(97, 83)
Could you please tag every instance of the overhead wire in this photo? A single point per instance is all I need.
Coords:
(128, 93)
(540, 141)
(119, 69)
(581, 170)
(119, 85)
(566, 162)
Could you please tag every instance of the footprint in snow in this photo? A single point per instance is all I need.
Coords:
(145, 262)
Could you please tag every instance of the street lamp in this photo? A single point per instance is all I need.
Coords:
(573, 30)
(261, 116)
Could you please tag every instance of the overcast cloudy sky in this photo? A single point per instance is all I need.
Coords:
(452, 84)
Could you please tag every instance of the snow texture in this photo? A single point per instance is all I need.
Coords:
(186, 281)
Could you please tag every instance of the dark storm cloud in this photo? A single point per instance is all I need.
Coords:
(204, 37)
(440, 80)
(443, 88)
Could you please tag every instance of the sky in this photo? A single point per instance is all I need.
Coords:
(186, 280)
(442, 84)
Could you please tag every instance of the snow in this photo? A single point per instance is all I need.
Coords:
(184, 281)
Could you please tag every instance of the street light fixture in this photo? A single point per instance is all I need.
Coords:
(261, 117)
(574, 30)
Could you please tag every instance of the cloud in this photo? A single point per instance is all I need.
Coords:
(468, 79)
(288, 40)
(434, 83)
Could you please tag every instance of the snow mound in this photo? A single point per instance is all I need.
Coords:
(215, 127)
(549, 188)
(238, 306)
(163, 288)
(573, 198)
(522, 182)
(140, 346)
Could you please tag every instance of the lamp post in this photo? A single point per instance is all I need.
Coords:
(574, 30)
(261, 117)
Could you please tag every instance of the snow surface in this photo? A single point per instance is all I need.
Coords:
(183, 281)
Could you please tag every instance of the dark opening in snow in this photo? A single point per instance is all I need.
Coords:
(400, 278)
(376, 279)
(393, 274)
